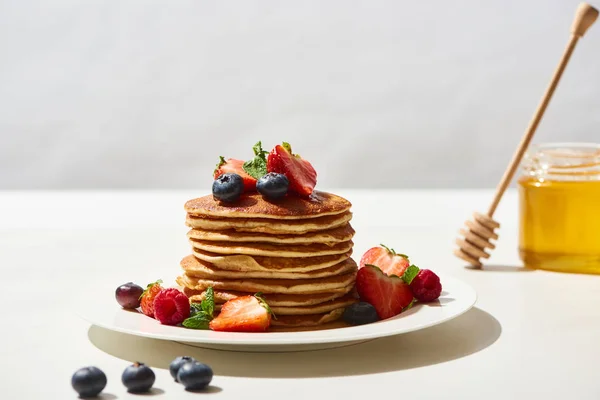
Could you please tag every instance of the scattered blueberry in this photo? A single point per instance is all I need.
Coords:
(228, 187)
(138, 378)
(195, 375)
(360, 314)
(273, 186)
(88, 381)
(128, 295)
(177, 363)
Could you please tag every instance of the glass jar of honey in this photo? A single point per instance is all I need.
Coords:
(559, 196)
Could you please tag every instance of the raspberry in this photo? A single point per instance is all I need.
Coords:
(426, 286)
(171, 307)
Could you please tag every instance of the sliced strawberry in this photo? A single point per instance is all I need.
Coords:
(388, 294)
(234, 166)
(148, 296)
(302, 175)
(390, 262)
(243, 314)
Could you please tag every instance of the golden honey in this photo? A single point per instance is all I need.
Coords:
(559, 197)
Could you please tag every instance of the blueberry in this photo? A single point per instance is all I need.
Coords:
(138, 378)
(128, 295)
(273, 186)
(228, 187)
(195, 375)
(177, 363)
(360, 314)
(88, 381)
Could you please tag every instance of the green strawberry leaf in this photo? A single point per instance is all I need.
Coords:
(221, 162)
(257, 167)
(393, 252)
(410, 274)
(208, 303)
(263, 303)
(410, 304)
(198, 321)
(149, 286)
(287, 147)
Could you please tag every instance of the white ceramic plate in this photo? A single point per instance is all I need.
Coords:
(457, 298)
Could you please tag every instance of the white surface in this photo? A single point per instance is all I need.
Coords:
(532, 334)
(149, 93)
(456, 299)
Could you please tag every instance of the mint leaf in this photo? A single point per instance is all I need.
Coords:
(257, 167)
(221, 162)
(195, 308)
(410, 274)
(198, 321)
(208, 304)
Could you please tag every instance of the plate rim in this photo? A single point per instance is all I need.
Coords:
(292, 338)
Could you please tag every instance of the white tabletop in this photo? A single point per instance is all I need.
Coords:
(532, 334)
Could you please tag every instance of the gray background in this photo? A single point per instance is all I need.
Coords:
(417, 94)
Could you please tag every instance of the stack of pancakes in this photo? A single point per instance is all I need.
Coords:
(294, 251)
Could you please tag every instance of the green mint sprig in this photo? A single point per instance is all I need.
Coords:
(201, 314)
(257, 167)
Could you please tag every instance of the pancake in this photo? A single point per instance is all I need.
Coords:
(271, 226)
(254, 205)
(330, 236)
(273, 299)
(257, 263)
(196, 268)
(290, 321)
(330, 284)
(272, 250)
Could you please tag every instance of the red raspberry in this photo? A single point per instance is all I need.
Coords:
(171, 307)
(426, 286)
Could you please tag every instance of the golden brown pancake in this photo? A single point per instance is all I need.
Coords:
(254, 205)
(257, 263)
(307, 320)
(197, 268)
(272, 250)
(330, 236)
(271, 226)
(273, 299)
(337, 283)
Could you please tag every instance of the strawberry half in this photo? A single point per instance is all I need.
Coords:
(390, 262)
(243, 314)
(300, 173)
(234, 166)
(388, 294)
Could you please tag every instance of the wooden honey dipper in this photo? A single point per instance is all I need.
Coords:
(481, 230)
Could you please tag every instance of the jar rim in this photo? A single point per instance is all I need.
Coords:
(563, 161)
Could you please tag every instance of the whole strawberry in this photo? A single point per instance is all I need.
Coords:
(171, 307)
(426, 286)
(147, 297)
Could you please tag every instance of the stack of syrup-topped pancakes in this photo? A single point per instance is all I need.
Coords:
(295, 251)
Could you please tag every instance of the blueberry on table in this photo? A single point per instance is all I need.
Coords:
(128, 295)
(88, 381)
(177, 363)
(195, 375)
(138, 378)
(360, 314)
(273, 186)
(228, 187)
